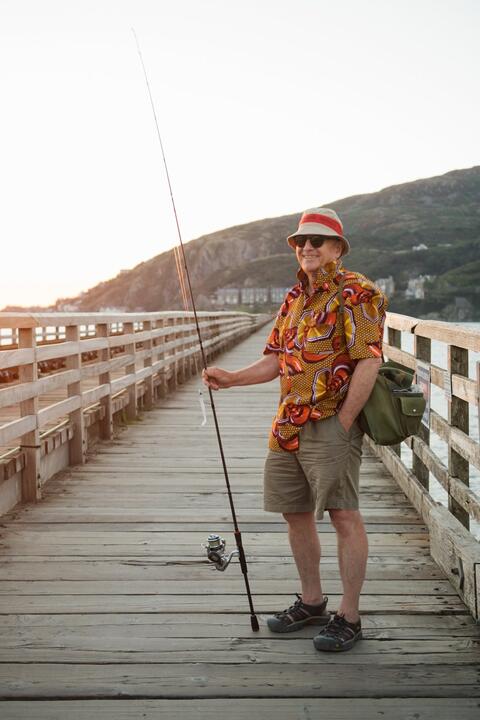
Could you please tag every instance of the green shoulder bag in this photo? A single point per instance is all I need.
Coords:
(395, 407)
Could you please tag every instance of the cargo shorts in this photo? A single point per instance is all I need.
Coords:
(322, 475)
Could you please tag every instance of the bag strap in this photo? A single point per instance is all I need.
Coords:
(340, 296)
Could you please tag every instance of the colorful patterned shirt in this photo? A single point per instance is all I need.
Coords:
(317, 352)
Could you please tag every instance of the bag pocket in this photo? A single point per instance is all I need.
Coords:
(392, 412)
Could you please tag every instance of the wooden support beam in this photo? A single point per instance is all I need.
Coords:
(104, 378)
(147, 363)
(30, 441)
(131, 409)
(458, 466)
(423, 352)
(78, 446)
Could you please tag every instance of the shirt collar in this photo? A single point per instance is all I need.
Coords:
(324, 276)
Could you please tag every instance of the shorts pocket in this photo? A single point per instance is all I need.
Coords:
(345, 434)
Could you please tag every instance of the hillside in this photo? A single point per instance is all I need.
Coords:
(442, 213)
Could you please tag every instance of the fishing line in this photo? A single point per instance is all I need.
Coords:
(221, 560)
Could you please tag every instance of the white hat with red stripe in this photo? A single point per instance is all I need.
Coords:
(320, 221)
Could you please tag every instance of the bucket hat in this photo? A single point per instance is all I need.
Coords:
(320, 221)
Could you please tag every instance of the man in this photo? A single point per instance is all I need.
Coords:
(326, 345)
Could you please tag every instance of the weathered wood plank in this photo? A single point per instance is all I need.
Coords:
(223, 586)
(158, 603)
(58, 410)
(403, 708)
(249, 680)
(17, 428)
(12, 358)
(143, 569)
(254, 523)
(47, 516)
(19, 538)
(102, 649)
(197, 500)
(388, 626)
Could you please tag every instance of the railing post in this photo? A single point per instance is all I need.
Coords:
(395, 340)
(198, 355)
(160, 351)
(180, 364)
(131, 410)
(147, 362)
(423, 352)
(31, 478)
(169, 368)
(74, 362)
(212, 334)
(106, 422)
(458, 417)
(188, 344)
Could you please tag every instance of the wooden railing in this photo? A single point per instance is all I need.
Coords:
(65, 378)
(453, 547)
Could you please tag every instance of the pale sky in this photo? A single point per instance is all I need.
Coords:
(266, 107)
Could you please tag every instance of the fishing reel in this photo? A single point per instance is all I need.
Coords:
(215, 548)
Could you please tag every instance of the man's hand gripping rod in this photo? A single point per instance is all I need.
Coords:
(238, 538)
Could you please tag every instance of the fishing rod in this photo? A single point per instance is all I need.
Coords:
(215, 544)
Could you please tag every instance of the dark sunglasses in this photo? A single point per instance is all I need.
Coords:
(315, 241)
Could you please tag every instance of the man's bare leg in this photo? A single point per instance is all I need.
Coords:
(305, 544)
(352, 545)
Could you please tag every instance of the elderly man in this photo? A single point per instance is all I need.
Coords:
(326, 345)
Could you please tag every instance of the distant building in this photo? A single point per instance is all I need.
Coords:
(386, 285)
(277, 294)
(67, 307)
(249, 296)
(227, 296)
(254, 296)
(415, 288)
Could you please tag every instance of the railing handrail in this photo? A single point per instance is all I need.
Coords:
(466, 338)
(30, 320)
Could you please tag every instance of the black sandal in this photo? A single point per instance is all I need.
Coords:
(298, 615)
(338, 635)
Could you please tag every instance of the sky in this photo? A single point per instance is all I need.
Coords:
(266, 107)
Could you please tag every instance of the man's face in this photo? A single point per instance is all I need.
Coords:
(312, 259)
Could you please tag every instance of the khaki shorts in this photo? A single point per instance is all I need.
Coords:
(322, 475)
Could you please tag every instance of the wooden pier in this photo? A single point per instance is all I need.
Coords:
(110, 609)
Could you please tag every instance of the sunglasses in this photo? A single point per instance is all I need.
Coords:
(316, 241)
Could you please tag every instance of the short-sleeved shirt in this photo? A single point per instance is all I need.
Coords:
(318, 348)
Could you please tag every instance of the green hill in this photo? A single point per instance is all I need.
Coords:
(441, 213)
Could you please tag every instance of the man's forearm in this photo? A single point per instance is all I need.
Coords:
(263, 370)
(361, 384)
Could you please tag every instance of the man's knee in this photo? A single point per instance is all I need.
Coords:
(298, 518)
(347, 522)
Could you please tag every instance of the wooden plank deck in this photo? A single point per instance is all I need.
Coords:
(109, 608)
